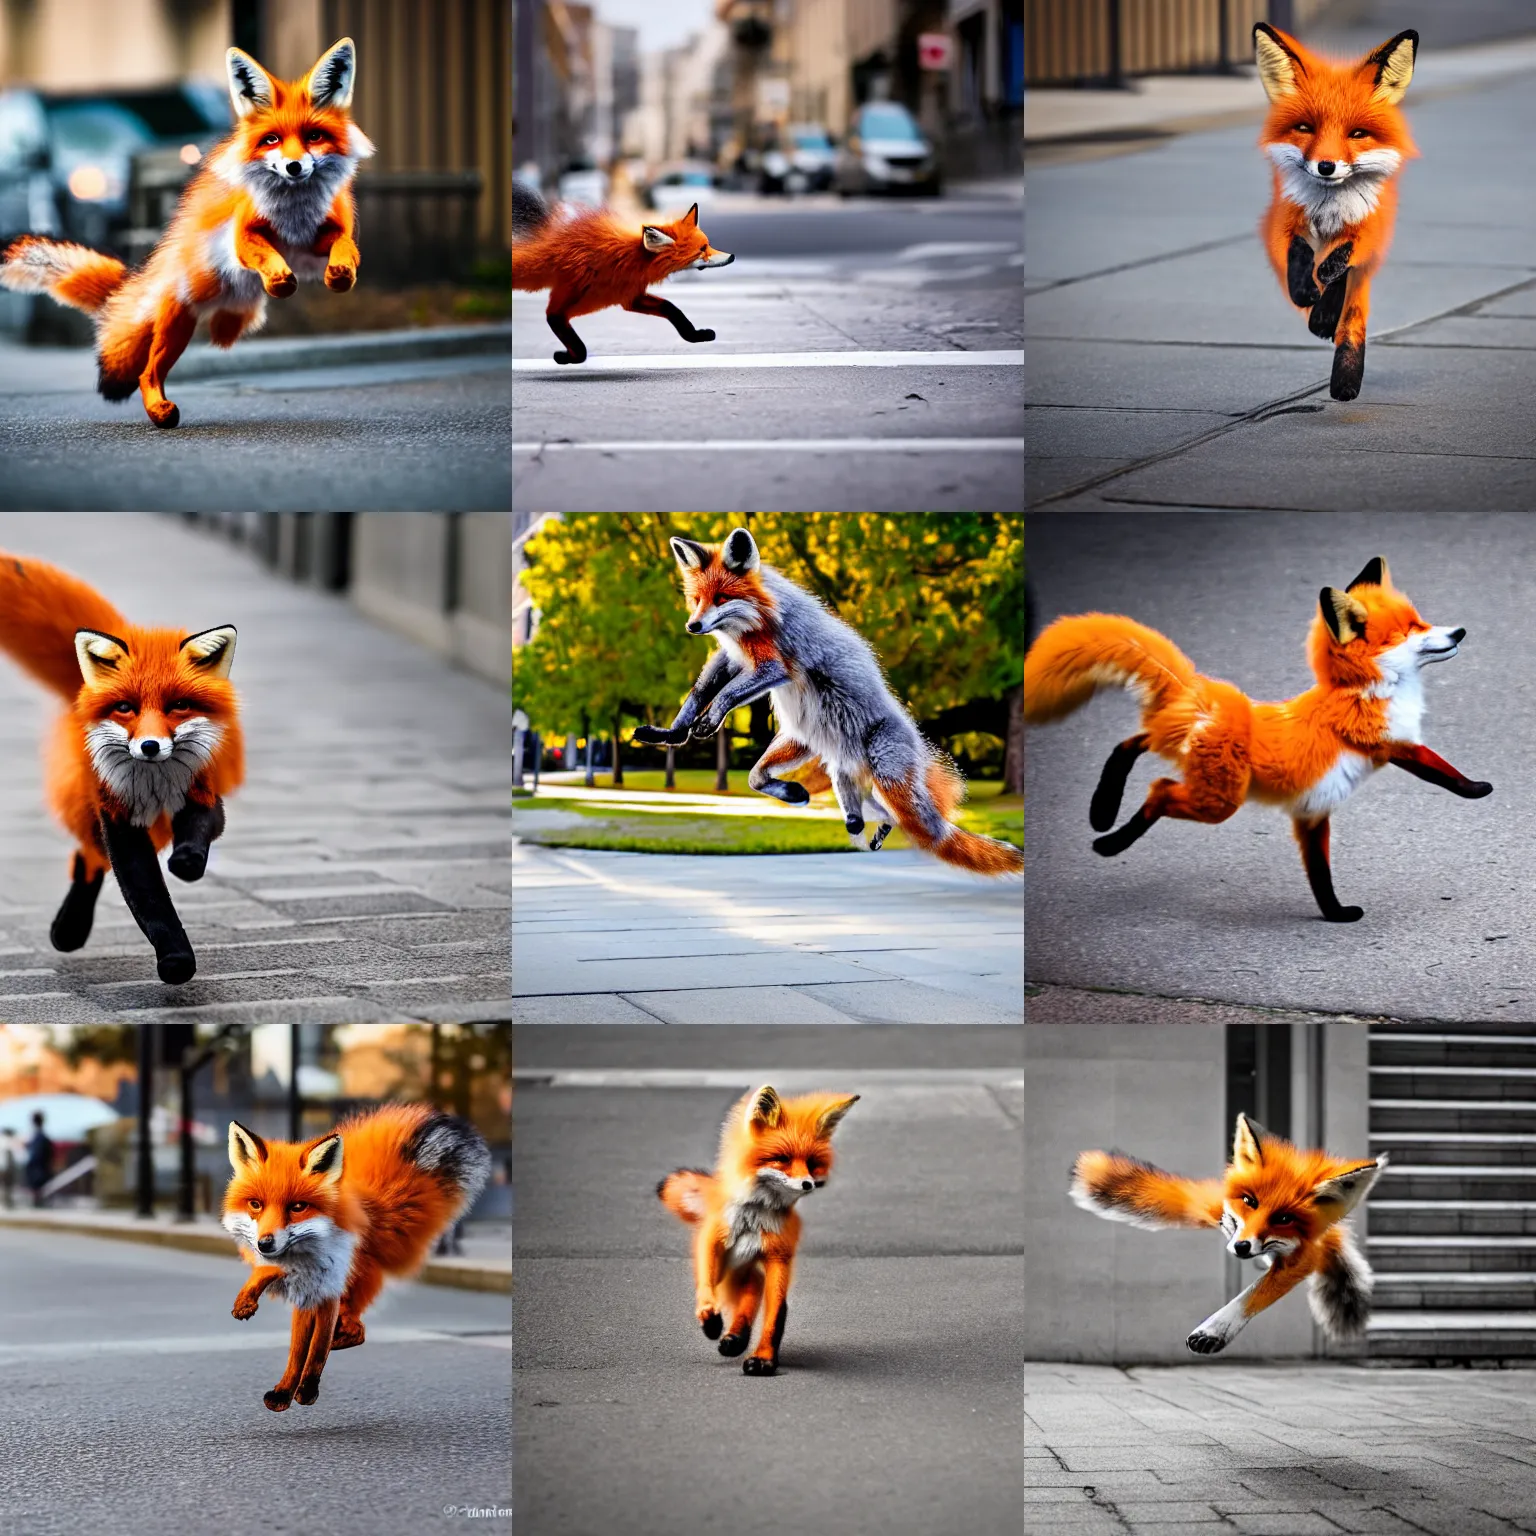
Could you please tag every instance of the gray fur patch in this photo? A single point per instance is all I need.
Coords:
(1339, 1293)
(455, 1150)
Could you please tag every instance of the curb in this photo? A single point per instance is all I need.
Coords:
(457, 1274)
(279, 354)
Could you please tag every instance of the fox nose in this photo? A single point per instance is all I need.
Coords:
(266, 1244)
(1457, 636)
(295, 167)
(1242, 1248)
(1325, 167)
(694, 627)
(149, 749)
(806, 1185)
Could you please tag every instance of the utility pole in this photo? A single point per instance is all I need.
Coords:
(146, 1162)
(295, 1104)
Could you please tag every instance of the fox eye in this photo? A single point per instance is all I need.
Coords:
(1359, 133)
(124, 707)
(1302, 128)
(180, 707)
(299, 1205)
(1250, 1202)
(268, 139)
(1283, 1219)
(314, 135)
(255, 1205)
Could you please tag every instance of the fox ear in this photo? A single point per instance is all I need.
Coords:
(832, 1115)
(691, 556)
(764, 1109)
(330, 82)
(1247, 1142)
(250, 86)
(691, 217)
(212, 651)
(654, 239)
(741, 552)
(1280, 68)
(1391, 66)
(246, 1148)
(1374, 575)
(323, 1159)
(99, 655)
(1336, 1197)
(1344, 615)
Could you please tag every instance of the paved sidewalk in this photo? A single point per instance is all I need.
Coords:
(1277, 1450)
(363, 874)
(888, 938)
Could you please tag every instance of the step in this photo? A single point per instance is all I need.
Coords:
(1407, 1253)
(1453, 1050)
(1450, 1218)
(1454, 1181)
(1451, 1335)
(1395, 1114)
(1400, 1027)
(1511, 1149)
(1486, 1084)
(1456, 1290)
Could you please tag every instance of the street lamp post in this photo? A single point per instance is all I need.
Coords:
(146, 1163)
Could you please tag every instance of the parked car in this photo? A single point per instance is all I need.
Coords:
(583, 182)
(886, 151)
(677, 187)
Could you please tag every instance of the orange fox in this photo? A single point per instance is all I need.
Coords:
(773, 1152)
(323, 1222)
(1307, 755)
(1278, 1204)
(147, 747)
(271, 205)
(591, 259)
(1337, 142)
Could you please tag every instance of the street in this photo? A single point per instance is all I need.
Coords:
(133, 1403)
(867, 356)
(1167, 369)
(1224, 912)
(428, 433)
(363, 873)
(897, 1405)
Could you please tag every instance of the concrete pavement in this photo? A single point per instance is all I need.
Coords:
(896, 1408)
(1166, 368)
(134, 1403)
(363, 872)
(609, 938)
(1224, 912)
(1282, 1450)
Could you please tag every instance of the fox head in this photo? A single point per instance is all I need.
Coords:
(1334, 131)
(1371, 636)
(722, 585)
(676, 247)
(778, 1150)
(293, 134)
(1278, 1197)
(282, 1194)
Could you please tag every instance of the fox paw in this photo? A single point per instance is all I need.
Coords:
(796, 794)
(1335, 264)
(877, 842)
(338, 280)
(163, 413)
(855, 824)
(187, 862)
(1202, 1343)
(309, 1390)
(348, 1335)
(277, 1400)
(755, 1365)
(702, 336)
(734, 1343)
(712, 1323)
(283, 284)
(1344, 915)
(244, 1308)
(570, 357)
(176, 966)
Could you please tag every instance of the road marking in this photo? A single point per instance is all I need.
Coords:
(941, 248)
(792, 445)
(217, 1343)
(667, 361)
(792, 1080)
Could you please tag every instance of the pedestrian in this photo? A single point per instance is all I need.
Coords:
(39, 1159)
(8, 1144)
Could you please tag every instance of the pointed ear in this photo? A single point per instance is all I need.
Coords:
(1344, 615)
(99, 655)
(1247, 1142)
(1391, 67)
(654, 239)
(764, 1109)
(246, 1148)
(250, 86)
(323, 1158)
(1280, 66)
(1374, 575)
(212, 651)
(691, 217)
(329, 83)
(1338, 1195)
(691, 556)
(741, 552)
(832, 1115)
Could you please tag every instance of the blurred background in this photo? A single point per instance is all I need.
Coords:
(108, 106)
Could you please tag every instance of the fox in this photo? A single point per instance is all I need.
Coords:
(591, 259)
(146, 748)
(1336, 140)
(271, 206)
(1367, 648)
(1283, 1206)
(838, 721)
(323, 1222)
(773, 1152)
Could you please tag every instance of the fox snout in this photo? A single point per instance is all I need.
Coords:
(695, 627)
(714, 259)
(270, 1243)
(1242, 1248)
(146, 749)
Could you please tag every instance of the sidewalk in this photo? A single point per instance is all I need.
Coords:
(1277, 1450)
(1166, 368)
(363, 874)
(484, 1265)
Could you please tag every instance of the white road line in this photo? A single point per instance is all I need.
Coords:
(943, 248)
(207, 1343)
(793, 445)
(934, 1079)
(693, 360)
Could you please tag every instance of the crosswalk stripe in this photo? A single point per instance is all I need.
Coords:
(791, 445)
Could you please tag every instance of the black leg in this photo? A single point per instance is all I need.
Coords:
(1433, 769)
(1117, 842)
(575, 347)
(1335, 264)
(193, 829)
(143, 887)
(1298, 273)
(1348, 370)
(72, 927)
(1313, 837)
(1324, 319)
(1105, 805)
(649, 304)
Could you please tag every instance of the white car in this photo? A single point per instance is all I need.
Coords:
(585, 185)
(680, 187)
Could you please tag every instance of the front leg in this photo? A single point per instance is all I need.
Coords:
(300, 1332)
(254, 250)
(764, 1360)
(649, 304)
(250, 1293)
(1312, 836)
(784, 754)
(1433, 769)
(1221, 1327)
(743, 690)
(1298, 273)
(143, 887)
(718, 671)
(319, 1349)
(708, 1271)
(335, 241)
(1105, 805)
(193, 829)
(850, 799)
(575, 348)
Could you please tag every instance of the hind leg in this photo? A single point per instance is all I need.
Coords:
(1168, 797)
(1105, 805)
(877, 811)
(850, 799)
(363, 1286)
(72, 926)
(1349, 351)
(784, 754)
(1312, 835)
(226, 326)
(575, 348)
(744, 1295)
(173, 330)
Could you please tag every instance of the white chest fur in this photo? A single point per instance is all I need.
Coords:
(1335, 787)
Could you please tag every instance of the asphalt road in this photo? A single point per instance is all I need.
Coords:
(898, 1404)
(1225, 912)
(867, 357)
(430, 434)
(133, 1404)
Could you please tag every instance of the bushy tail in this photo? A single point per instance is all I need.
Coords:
(686, 1193)
(921, 805)
(82, 278)
(1122, 1188)
(1075, 657)
(455, 1151)
(1340, 1289)
(41, 607)
(530, 213)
